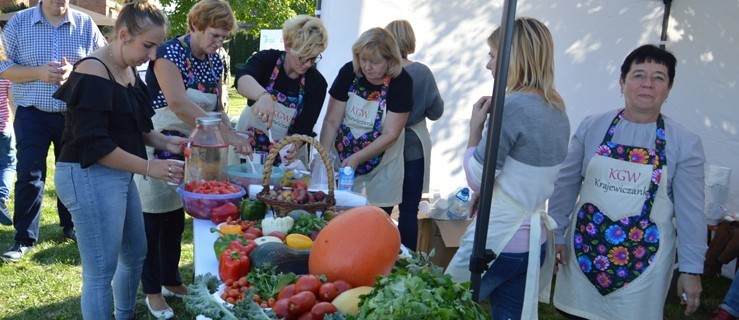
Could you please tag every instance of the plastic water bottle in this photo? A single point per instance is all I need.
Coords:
(346, 178)
(459, 205)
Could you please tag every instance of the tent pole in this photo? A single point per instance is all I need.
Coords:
(318, 9)
(480, 256)
(665, 23)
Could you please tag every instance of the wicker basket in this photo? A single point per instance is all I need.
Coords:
(282, 208)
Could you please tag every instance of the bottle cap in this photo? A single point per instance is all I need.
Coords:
(208, 121)
(347, 170)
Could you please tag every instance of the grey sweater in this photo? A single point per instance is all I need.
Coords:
(532, 132)
(427, 103)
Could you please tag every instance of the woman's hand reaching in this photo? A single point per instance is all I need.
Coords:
(264, 109)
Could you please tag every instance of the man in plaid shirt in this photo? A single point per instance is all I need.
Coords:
(42, 44)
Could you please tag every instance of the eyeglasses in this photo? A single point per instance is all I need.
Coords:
(218, 37)
(313, 60)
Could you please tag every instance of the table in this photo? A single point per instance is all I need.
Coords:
(205, 260)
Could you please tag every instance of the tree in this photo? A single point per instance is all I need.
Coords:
(258, 14)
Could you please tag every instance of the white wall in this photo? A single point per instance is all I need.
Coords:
(592, 37)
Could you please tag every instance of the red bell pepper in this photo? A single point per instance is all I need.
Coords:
(223, 212)
(233, 265)
(244, 246)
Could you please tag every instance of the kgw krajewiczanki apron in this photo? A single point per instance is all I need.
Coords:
(156, 195)
(362, 124)
(621, 240)
(287, 109)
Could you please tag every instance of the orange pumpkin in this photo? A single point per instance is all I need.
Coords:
(356, 246)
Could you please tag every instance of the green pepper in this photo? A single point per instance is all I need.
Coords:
(252, 210)
(223, 241)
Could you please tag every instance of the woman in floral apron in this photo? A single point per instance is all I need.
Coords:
(285, 90)
(369, 105)
(532, 146)
(184, 82)
(632, 175)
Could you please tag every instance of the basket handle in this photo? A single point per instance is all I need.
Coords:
(291, 139)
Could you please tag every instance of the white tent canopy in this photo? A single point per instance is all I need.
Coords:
(591, 37)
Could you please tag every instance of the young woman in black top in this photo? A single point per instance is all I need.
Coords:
(108, 122)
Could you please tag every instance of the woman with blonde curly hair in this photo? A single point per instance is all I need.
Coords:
(284, 88)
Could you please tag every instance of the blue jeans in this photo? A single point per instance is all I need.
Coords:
(7, 163)
(35, 131)
(731, 300)
(505, 284)
(106, 210)
(408, 209)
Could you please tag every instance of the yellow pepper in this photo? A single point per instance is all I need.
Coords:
(298, 241)
(231, 229)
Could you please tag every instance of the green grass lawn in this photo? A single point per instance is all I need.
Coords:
(46, 284)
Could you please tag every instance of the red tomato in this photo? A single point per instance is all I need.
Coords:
(301, 302)
(280, 310)
(286, 292)
(249, 236)
(254, 230)
(278, 235)
(321, 309)
(342, 285)
(306, 316)
(308, 282)
(243, 282)
(327, 292)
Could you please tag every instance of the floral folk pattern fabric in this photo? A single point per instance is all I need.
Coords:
(197, 74)
(611, 253)
(261, 140)
(347, 145)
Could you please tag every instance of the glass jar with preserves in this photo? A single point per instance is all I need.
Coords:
(208, 151)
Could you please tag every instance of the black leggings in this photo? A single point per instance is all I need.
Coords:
(164, 243)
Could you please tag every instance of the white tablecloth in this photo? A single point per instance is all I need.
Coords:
(205, 259)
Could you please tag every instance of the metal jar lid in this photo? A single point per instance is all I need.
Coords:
(208, 121)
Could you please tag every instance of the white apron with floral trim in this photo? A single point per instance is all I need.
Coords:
(627, 275)
(383, 185)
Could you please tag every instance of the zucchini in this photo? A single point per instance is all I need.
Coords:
(286, 259)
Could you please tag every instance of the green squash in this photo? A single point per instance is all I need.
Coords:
(286, 259)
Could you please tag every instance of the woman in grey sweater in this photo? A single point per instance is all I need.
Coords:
(427, 103)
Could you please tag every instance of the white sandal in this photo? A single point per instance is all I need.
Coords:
(160, 314)
(167, 293)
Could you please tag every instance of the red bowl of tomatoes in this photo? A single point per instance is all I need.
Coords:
(201, 198)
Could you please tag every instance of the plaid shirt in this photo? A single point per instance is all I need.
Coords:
(30, 40)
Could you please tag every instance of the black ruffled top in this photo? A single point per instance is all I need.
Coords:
(102, 115)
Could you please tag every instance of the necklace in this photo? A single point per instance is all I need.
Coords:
(110, 54)
(126, 75)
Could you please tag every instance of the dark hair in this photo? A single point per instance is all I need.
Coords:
(650, 53)
(137, 17)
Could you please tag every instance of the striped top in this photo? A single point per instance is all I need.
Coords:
(30, 40)
(4, 106)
